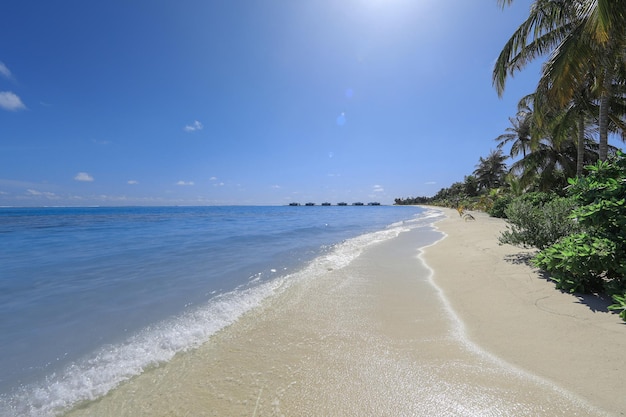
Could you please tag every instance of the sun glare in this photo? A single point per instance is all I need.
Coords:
(395, 9)
(387, 3)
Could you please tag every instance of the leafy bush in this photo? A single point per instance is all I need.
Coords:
(532, 223)
(595, 258)
(576, 263)
(499, 206)
(620, 305)
(538, 198)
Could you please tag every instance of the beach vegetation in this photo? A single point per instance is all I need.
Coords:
(538, 220)
(619, 305)
(593, 259)
(491, 171)
(464, 194)
(585, 41)
(499, 204)
(519, 134)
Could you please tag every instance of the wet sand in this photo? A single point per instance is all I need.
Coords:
(385, 336)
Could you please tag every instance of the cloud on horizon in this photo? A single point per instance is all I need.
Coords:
(5, 71)
(10, 101)
(184, 183)
(194, 127)
(38, 193)
(83, 176)
(133, 182)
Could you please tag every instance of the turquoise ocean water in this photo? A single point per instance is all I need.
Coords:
(90, 297)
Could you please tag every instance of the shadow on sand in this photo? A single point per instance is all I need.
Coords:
(598, 303)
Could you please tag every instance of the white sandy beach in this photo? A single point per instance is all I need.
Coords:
(476, 333)
(508, 309)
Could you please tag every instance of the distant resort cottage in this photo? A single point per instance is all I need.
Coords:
(358, 203)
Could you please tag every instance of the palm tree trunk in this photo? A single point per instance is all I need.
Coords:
(580, 148)
(603, 148)
(603, 122)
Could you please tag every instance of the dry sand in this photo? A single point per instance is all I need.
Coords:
(508, 309)
(483, 335)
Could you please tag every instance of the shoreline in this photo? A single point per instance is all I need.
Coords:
(509, 310)
(370, 338)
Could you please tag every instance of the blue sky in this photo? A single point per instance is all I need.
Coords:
(198, 102)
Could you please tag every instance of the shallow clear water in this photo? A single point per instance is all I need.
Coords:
(91, 296)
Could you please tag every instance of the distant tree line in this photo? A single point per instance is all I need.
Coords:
(412, 201)
(473, 192)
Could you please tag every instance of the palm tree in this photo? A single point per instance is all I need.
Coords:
(470, 186)
(491, 171)
(518, 134)
(552, 162)
(571, 80)
(570, 123)
(547, 26)
(585, 37)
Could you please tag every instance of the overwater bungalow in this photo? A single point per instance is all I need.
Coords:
(342, 204)
(326, 204)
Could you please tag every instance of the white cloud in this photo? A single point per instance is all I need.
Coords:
(216, 184)
(37, 193)
(10, 101)
(276, 187)
(5, 71)
(101, 142)
(184, 183)
(83, 176)
(193, 127)
(133, 182)
(378, 189)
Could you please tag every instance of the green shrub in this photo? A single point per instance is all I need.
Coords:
(594, 259)
(538, 198)
(532, 223)
(499, 206)
(620, 305)
(577, 262)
